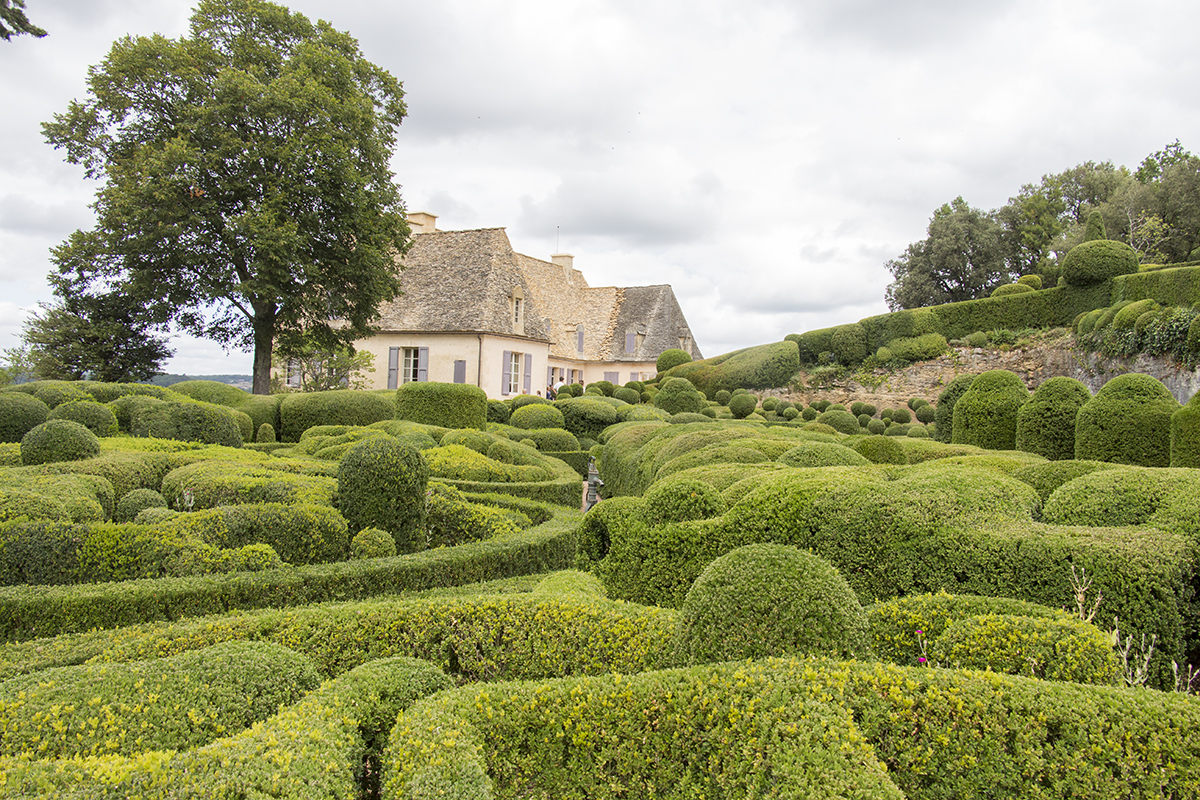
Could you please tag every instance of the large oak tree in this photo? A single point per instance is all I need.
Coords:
(246, 192)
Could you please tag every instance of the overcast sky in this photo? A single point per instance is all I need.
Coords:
(764, 158)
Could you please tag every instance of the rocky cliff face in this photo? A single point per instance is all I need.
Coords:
(1047, 358)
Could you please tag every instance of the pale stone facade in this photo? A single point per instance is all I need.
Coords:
(474, 311)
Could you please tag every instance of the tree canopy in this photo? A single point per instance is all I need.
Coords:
(246, 192)
(13, 21)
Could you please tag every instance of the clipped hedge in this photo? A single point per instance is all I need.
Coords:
(209, 483)
(586, 417)
(452, 519)
(173, 703)
(58, 440)
(19, 414)
(1185, 434)
(188, 422)
(849, 343)
(448, 405)
(760, 367)
(1098, 261)
(1128, 422)
(96, 417)
(299, 533)
(301, 411)
(1046, 423)
(944, 415)
(986, 414)
(381, 484)
(539, 415)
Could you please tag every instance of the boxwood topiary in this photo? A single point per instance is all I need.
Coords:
(677, 395)
(1097, 261)
(381, 484)
(1046, 424)
(1127, 422)
(671, 357)
(499, 411)
(265, 434)
(821, 454)
(58, 440)
(770, 600)
(722, 397)
(682, 499)
(586, 417)
(743, 405)
(96, 417)
(902, 415)
(449, 405)
(977, 339)
(926, 414)
(918, 432)
(876, 426)
(539, 415)
(1185, 434)
(986, 414)
(53, 393)
(372, 543)
(187, 422)
(1033, 280)
(136, 501)
(840, 421)
(849, 343)
(631, 396)
(19, 414)
(945, 406)
(1004, 290)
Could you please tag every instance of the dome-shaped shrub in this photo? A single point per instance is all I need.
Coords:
(849, 343)
(770, 404)
(58, 440)
(671, 357)
(977, 339)
(790, 413)
(896, 429)
(479, 441)
(449, 405)
(945, 406)
(676, 395)
(96, 417)
(631, 396)
(1032, 280)
(901, 415)
(864, 420)
(821, 454)
(53, 393)
(688, 417)
(879, 449)
(918, 432)
(1046, 424)
(1127, 422)
(19, 414)
(722, 397)
(743, 405)
(586, 417)
(540, 415)
(926, 414)
(372, 543)
(681, 499)
(1126, 318)
(840, 421)
(986, 414)
(770, 600)
(500, 411)
(1185, 434)
(1097, 261)
(135, 502)
(381, 484)
(1004, 290)
(522, 400)
(265, 434)
(876, 426)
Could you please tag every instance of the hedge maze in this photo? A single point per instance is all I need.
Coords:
(397, 596)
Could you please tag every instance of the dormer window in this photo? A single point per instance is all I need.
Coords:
(516, 308)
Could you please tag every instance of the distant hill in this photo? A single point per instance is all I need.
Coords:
(240, 381)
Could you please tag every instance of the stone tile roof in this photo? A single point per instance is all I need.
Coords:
(463, 280)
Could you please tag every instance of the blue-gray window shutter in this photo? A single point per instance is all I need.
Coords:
(549, 376)
(506, 372)
(528, 373)
(393, 367)
(423, 364)
(460, 371)
(612, 377)
(579, 338)
(630, 341)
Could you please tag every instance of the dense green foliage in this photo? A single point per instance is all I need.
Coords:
(1185, 434)
(946, 401)
(381, 484)
(19, 414)
(301, 411)
(1097, 261)
(96, 417)
(678, 396)
(670, 358)
(58, 440)
(1128, 421)
(1046, 423)
(986, 414)
(449, 405)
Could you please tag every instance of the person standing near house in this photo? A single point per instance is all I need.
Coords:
(558, 384)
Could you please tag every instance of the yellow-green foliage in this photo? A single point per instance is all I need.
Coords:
(1052, 649)
(314, 748)
(452, 520)
(1121, 496)
(670, 734)
(461, 463)
(372, 543)
(170, 703)
(330, 442)
(58, 440)
(216, 482)
(300, 533)
(31, 493)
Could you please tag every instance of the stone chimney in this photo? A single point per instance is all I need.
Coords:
(567, 262)
(422, 222)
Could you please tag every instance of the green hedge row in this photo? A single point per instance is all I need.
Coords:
(173, 703)
(323, 746)
(745, 727)
(761, 367)
(28, 612)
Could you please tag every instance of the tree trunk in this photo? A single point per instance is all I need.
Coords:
(264, 339)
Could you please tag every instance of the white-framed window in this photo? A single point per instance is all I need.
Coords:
(410, 363)
(511, 373)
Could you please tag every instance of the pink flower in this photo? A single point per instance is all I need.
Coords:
(921, 660)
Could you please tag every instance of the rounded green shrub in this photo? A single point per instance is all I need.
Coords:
(671, 357)
(918, 432)
(1097, 261)
(198, 421)
(1036, 647)
(849, 343)
(840, 421)
(682, 499)
(1127, 422)
(58, 440)
(743, 405)
(372, 543)
(1094, 228)
(864, 420)
(19, 414)
(381, 484)
(869, 409)
(770, 404)
(945, 406)
(540, 415)
(500, 411)
(722, 397)
(135, 502)
(223, 394)
(53, 393)
(522, 400)
(884, 354)
(926, 414)
(876, 426)
(977, 339)
(821, 454)
(265, 434)
(586, 417)
(1119, 496)
(256, 557)
(986, 414)
(809, 414)
(687, 417)
(1185, 434)
(547, 440)
(96, 417)
(606, 387)
(1007, 289)
(631, 396)
(879, 449)
(901, 415)
(896, 429)
(479, 441)
(303, 410)
(770, 600)
(448, 405)
(820, 405)
(1032, 280)
(1046, 424)
(1047, 477)
(1126, 318)
(677, 395)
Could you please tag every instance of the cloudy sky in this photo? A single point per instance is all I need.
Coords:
(763, 157)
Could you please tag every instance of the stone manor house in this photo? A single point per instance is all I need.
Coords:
(474, 311)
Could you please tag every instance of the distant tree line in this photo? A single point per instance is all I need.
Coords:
(968, 252)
